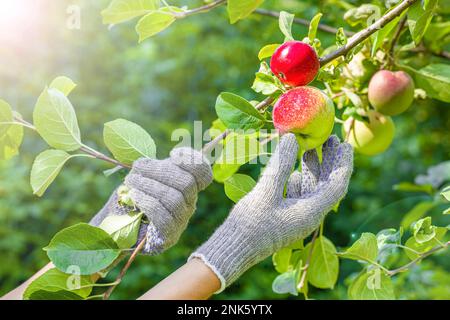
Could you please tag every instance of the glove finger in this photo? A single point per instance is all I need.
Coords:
(195, 163)
(172, 199)
(157, 215)
(329, 152)
(294, 187)
(310, 172)
(275, 176)
(165, 172)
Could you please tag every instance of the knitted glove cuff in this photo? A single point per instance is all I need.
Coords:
(229, 253)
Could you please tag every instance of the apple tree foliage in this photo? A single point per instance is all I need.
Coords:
(83, 254)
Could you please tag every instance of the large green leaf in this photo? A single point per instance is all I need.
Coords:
(223, 171)
(54, 296)
(123, 10)
(372, 285)
(238, 186)
(127, 141)
(267, 51)
(63, 84)
(123, 229)
(240, 9)
(419, 18)
(237, 113)
(324, 266)
(435, 80)
(240, 149)
(46, 168)
(56, 121)
(383, 34)
(156, 22)
(6, 118)
(11, 141)
(83, 246)
(417, 247)
(55, 280)
(365, 249)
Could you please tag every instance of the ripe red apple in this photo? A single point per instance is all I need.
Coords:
(370, 138)
(391, 93)
(307, 112)
(295, 63)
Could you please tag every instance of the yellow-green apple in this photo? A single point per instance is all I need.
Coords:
(391, 93)
(372, 137)
(307, 112)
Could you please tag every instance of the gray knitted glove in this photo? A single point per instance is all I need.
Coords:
(264, 222)
(166, 192)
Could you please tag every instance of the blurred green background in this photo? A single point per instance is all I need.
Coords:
(166, 83)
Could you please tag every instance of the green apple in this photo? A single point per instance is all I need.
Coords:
(372, 137)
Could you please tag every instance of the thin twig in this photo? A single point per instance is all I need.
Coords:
(87, 150)
(124, 270)
(419, 258)
(366, 33)
(398, 32)
(308, 261)
(304, 22)
(201, 9)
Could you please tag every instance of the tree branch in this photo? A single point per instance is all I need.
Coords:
(300, 21)
(398, 32)
(366, 33)
(418, 259)
(201, 9)
(308, 261)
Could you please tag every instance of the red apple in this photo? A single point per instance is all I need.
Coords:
(391, 93)
(295, 63)
(307, 112)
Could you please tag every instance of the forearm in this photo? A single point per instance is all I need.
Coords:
(193, 281)
(17, 293)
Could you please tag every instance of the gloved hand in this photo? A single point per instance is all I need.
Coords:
(264, 222)
(166, 192)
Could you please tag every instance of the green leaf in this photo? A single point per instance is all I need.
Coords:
(123, 10)
(63, 84)
(383, 34)
(127, 141)
(435, 80)
(11, 142)
(55, 281)
(372, 285)
(446, 193)
(123, 229)
(313, 27)
(267, 51)
(324, 266)
(240, 9)
(265, 84)
(423, 230)
(56, 121)
(240, 149)
(223, 171)
(411, 187)
(282, 259)
(285, 283)
(6, 118)
(238, 186)
(46, 168)
(365, 249)
(54, 296)
(388, 241)
(237, 113)
(89, 248)
(155, 22)
(341, 38)
(286, 20)
(419, 19)
(412, 243)
(416, 213)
